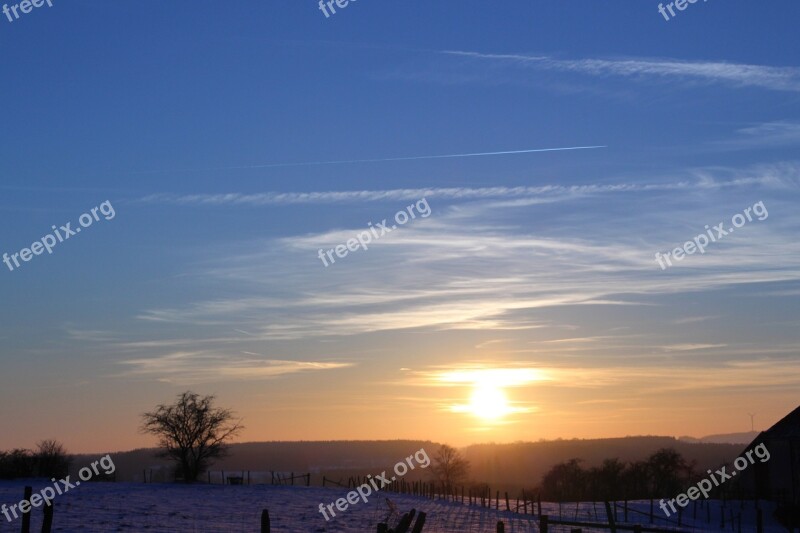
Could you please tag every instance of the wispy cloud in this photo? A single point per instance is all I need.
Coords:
(766, 135)
(436, 275)
(693, 319)
(699, 179)
(188, 367)
(776, 78)
(690, 347)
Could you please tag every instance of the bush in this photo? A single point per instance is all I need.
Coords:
(17, 463)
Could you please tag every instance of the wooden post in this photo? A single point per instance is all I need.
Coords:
(539, 502)
(626, 508)
(420, 523)
(508, 506)
(47, 522)
(501, 527)
(308, 479)
(383, 528)
(637, 528)
(264, 521)
(543, 520)
(144, 474)
(651, 511)
(497, 501)
(405, 522)
(26, 517)
(611, 522)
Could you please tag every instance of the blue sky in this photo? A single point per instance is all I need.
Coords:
(204, 125)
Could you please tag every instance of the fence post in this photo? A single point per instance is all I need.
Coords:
(420, 523)
(26, 516)
(383, 528)
(611, 522)
(47, 522)
(501, 527)
(539, 502)
(508, 505)
(264, 521)
(543, 521)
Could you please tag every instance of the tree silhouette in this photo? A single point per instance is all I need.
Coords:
(565, 481)
(51, 459)
(449, 467)
(192, 432)
(669, 472)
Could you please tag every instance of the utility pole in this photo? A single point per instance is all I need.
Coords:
(752, 425)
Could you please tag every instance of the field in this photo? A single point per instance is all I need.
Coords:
(109, 507)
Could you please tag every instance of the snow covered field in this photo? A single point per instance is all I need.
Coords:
(108, 507)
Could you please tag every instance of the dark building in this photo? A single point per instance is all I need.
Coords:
(778, 479)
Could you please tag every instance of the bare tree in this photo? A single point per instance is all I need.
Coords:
(192, 432)
(51, 459)
(449, 467)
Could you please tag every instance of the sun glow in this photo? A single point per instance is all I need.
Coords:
(488, 400)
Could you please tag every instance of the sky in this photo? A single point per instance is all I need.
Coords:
(548, 151)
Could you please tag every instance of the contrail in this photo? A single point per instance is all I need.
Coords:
(350, 161)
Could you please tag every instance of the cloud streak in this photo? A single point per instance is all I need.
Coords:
(719, 72)
(381, 160)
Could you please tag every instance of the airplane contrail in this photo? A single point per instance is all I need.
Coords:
(414, 158)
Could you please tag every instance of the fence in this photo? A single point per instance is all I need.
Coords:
(248, 477)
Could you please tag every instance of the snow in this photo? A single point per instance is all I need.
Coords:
(108, 507)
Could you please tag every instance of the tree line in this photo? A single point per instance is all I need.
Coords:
(665, 472)
(50, 459)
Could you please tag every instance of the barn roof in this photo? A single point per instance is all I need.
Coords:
(787, 428)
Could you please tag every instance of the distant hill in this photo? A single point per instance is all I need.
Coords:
(508, 466)
(725, 438)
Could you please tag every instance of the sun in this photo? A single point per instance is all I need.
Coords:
(489, 402)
